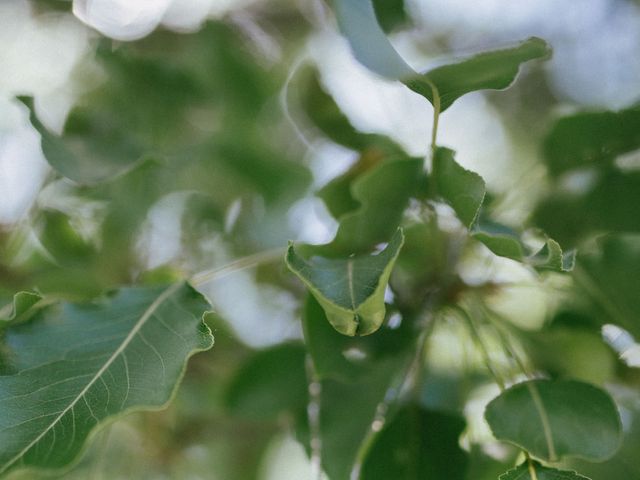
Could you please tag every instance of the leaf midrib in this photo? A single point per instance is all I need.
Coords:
(125, 343)
(544, 418)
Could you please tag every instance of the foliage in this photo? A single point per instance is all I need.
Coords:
(400, 329)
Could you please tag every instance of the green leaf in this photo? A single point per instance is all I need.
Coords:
(494, 70)
(331, 351)
(501, 240)
(22, 303)
(86, 363)
(351, 291)
(505, 242)
(417, 444)
(551, 257)
(591, 139)
(462, 189)
(269, 383)
(382, 193)
(323, 111)
(534, 471)
(610, 278)
(554, 419)
(72, 157)
(609, 203)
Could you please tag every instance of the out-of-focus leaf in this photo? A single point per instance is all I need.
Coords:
(417, 444)
(382, 193)
(462, 189)
(351, 291)
(591, 139)
(501, 240)
(390, 13)
(554, 419)
(271, 382)
(610, 277)
(343, 430)
(534, 471)
(61, 240)
(323, 111)
(22, 303)
(551, 257)
(86, 363)
(339, 357)
(494, 70)
(608, 203)
(75, 157)
(358, 22)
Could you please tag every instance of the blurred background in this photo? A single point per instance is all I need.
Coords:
(201, 112)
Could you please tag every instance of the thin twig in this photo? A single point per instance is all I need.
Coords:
(313, 415)
(253, 260)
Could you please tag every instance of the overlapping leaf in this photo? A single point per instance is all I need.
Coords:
(526, 470)
(351, 290)
(73, 366)
(417, 444)
(494, 70)
(554, 419)
(591, 139)
(21, 304)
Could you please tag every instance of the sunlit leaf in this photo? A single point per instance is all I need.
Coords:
(351, 291)
(87, 363)
(554, 419)
(534, 471)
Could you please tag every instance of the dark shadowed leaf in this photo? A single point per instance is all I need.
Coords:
(591, 139)
(417, 444)
(271, 382)
(554, 419)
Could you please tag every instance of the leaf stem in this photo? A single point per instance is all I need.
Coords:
(435, 94)
(253, 260)
(475, 333)
(532, 469)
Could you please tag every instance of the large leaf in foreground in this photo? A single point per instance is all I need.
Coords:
(535, 471)
(351, 290)
(83, 364)
(553, 419)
